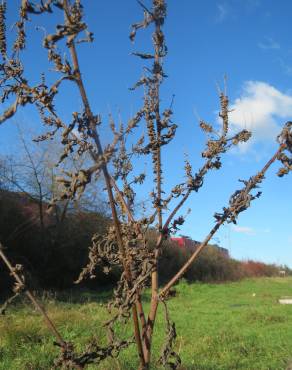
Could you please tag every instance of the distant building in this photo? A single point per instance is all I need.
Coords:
(186, 243)
(221, 249)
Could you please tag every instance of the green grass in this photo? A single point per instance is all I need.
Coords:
(219, 326)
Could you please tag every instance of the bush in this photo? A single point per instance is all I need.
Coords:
(257, 269)
(211, 265)
(53, 256)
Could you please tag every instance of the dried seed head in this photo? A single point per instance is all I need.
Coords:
(206, 127)
(2, 29)
(285, 138)
(19, 43)
(241, 137)
(224, 102)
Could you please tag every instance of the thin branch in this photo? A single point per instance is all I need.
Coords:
(96, 139)
(30, 295)
(224, 218)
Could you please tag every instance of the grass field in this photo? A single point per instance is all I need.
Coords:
(219, 326)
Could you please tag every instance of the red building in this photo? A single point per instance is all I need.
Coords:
(186, 243)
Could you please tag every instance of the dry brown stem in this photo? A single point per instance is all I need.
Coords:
(107, 181)
(21, 286)
(125, 243)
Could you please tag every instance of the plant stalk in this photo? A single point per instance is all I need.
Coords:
(32, 298)
(107, 178)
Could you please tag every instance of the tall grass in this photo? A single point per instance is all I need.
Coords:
(237, 325)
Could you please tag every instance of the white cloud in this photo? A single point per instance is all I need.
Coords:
(262, 109)
(266, 231)
(252, 3)
(243, 229)
(269, 44)
(233, 9)
(287, 69)
(222, 12)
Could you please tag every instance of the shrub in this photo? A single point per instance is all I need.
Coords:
(211, 265)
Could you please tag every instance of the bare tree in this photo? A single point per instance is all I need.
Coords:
(125, 243)
(33, 173)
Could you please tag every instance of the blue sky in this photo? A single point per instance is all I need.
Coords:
(249, 41)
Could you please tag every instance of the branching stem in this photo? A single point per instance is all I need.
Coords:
(185, 267)
(107, 178)
(32, 298)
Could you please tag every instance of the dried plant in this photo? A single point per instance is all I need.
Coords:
(126, 242)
